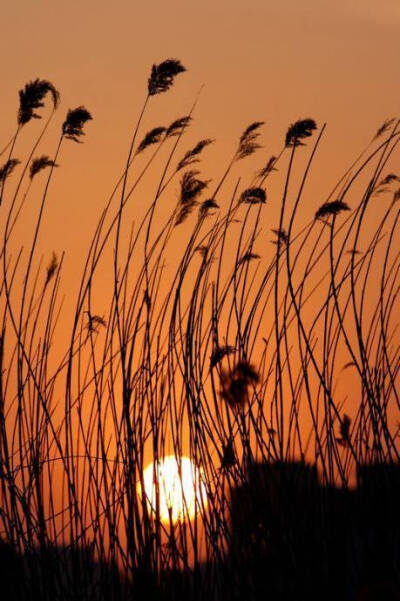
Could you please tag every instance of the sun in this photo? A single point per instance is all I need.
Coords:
(181, 486)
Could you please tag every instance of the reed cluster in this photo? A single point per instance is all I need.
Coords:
(233, 354)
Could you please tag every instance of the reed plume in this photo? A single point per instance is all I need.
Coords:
(248, 140)
(299, 131)
(281, 236)
(40, 163)
(177, 126)
(344, 429)
(236, 382)
(7, 169)
(331, 208)
(219, 353)
(253, 196)
(191, 188)
(94, 322)
(51, 268)
(384, 128)
(191, 156)
(207, 206)
(72, 128)
(154, 136)
(162, 76)
(31, 98)
(269, 167)
(247, 257)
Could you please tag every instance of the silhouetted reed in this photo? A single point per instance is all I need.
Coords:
(248, 140)
(72, 127)
(331, 208)
(31, 98)
(299, 131)
(253, 196)
(39, 164)
(7, 169)
(273, 367)
(163, 75)
(235, 383)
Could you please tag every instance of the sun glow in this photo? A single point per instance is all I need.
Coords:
(181, 489)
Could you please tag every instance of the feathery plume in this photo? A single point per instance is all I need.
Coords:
(40, 163)
(253, 196)
(191, 188)
(344, 431)
(154, 136)
(52, 268)
(331, 208)
(31, 98)
(236, 382)
(298, 131)
(191, 156)
(72, 127)
(392, 177)
(8, 168)
(94, 322)
(202, 249)
(383, 128)
(178, 126)
(219, 353)
(281, 236)
(247, 142)
(247, 257)
(162, 76)
(207, 206)
(382, 186)
(269, 167)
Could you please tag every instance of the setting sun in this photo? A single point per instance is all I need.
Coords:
(182, 491)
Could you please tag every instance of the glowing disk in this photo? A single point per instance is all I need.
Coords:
(181, 488)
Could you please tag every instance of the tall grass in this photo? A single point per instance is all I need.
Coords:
(227, 349)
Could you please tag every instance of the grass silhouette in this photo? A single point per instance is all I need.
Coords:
(229, 356)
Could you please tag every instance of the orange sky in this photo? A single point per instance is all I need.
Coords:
(273, 61)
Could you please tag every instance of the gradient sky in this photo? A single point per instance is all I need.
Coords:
(259, 60)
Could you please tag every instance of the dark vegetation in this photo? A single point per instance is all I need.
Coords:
(272, 366)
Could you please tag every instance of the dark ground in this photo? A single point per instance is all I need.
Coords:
(291, 539)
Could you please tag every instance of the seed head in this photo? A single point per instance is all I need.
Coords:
(253, 196)
(299, 131)
(31, 98)
(154, 136)
(52, 268)
(331, 208)
(219, 353)
(8, 168)
(162, 76)
(191, 188)
(178, 126)
(235, 383)
(72, 127)
(247, 143)
(191, 156)
(40, 163)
